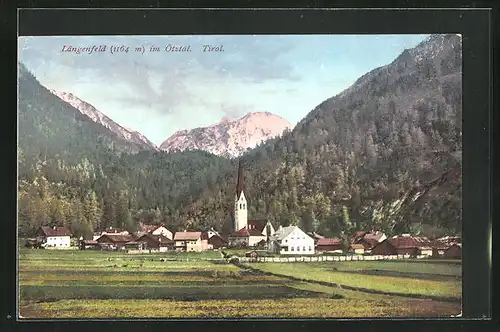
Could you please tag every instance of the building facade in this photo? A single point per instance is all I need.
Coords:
(263, 226)
(54, 237)
(291, 240)
(328, 245)
(190, 241)
(217, 242)
(116, 241)
(156, 242)
(246, 238)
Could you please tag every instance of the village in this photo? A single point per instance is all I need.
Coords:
(254, 237)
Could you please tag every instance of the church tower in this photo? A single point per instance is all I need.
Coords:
(240, 203)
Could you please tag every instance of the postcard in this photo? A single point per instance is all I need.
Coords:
(239, 176)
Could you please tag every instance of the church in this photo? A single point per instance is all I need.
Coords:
(247, 233)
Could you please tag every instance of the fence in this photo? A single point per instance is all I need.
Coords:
(144, 251)
(325, 258)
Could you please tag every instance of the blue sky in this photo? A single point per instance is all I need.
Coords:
(160, 93)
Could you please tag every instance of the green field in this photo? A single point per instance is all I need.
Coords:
(395, 276)
(86, 284)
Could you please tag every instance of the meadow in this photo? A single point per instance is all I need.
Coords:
(436, 280)
(98, 284)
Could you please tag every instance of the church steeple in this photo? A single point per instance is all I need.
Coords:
(240, 202)
(239, 184)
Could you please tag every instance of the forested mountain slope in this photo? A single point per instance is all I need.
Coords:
(385, 153)
(76, 172)
(47, 121)
(133, 137)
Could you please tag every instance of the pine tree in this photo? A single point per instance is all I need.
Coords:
(92, 209)
(42, 215)
(26, 216)
(57, 213)
(108, 216)
(123, 216)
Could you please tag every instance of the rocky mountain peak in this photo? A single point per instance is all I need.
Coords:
(230, 136)
(100, 118)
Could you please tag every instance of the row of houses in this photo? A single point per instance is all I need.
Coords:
(180, 241)
(257, 234)
(377, 243)
(289, 240)
(149, 237)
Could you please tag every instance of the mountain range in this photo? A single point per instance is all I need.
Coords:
(229, 137)
(385, 153)
(95, 115)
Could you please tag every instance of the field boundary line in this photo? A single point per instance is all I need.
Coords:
(360, 289)
(420, 274)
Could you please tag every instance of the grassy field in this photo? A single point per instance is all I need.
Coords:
(87, 284)
(392, 277)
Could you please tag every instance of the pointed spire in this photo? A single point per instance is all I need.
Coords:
(239, 184)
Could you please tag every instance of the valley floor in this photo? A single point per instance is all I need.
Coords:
(87, 284)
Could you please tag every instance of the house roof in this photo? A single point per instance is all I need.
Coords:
(368, 242)
(182, 236)
(377, 235)
(328, 242)
(157, 238)
(111, 230)
(90, 242)
(450, 238)
(245, 232)
(118, 238)
(357, 236)
(216, 239)
(284, 232)
(406, 241)
(315, 235)
(258, 224)
(55, 231)
(447, 241)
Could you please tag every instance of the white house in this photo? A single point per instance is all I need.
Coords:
(56, 237)
(191, 241)
(291, 240)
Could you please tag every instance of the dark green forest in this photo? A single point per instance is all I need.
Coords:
(384, 154)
